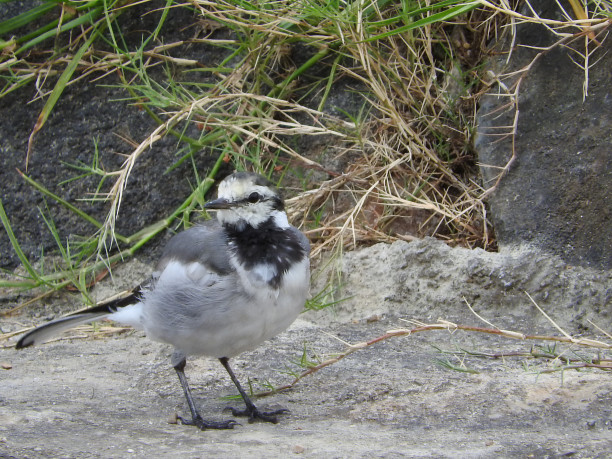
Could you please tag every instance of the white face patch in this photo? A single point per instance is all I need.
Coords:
(234, 189)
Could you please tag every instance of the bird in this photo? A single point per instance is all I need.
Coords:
(220, 288)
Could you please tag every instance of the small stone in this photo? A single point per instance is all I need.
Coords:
(6, 365)
(173, 418)
(591, 424)
(298, 449)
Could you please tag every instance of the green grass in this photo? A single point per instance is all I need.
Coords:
(248, 107)
(540, 359)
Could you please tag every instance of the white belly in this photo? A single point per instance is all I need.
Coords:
(215, 319)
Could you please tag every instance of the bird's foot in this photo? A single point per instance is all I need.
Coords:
(254, 414)
(202, 424)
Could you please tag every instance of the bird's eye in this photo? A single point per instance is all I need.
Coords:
(254, 197)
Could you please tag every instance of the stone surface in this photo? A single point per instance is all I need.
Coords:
(428, 278)
(557, 193)
(98, 398)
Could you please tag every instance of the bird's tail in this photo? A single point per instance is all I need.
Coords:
(45, 332)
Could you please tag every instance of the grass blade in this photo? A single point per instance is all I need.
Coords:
(25, 18)
(50, 29)
(434, 18)
(64, 79)
(65, 203)
(15, 243)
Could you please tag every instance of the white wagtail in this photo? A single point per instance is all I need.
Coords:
(220, 288)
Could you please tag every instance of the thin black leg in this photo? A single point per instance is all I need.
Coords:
(251, 411)
(196, 419)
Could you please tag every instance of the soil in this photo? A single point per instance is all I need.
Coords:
(115, 397)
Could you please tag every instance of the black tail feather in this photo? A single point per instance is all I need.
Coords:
(46, 331)
(112, 304)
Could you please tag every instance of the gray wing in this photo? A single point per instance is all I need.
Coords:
(204, 243)
(302, 239)
(193, 290)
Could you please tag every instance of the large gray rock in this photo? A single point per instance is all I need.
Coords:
(426, 279)
(556, 194)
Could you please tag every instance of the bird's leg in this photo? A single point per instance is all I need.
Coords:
(179, 361)
(251, 411)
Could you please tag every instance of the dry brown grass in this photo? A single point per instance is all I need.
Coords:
(409, 170)
(406, 170)
(401, 185)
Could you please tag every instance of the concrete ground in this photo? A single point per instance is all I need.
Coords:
(116, 396)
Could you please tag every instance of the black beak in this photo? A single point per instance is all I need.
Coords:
(217, 204)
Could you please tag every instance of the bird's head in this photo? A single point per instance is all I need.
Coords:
(246, 198)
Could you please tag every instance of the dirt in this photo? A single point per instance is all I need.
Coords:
(116, 397)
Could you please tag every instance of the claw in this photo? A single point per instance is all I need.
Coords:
(205, 425)
(255, 414)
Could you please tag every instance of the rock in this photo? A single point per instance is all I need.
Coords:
(426, 280)
(556, 194)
